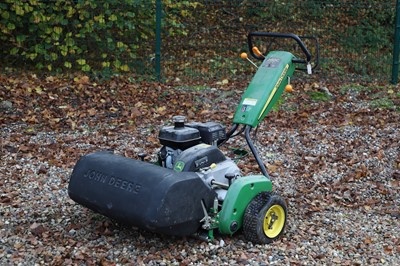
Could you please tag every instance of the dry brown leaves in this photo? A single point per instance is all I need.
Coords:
(336, 161)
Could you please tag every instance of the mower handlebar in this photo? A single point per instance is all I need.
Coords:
(279, 35)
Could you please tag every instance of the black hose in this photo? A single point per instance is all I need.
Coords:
(240, 132)
(229, 134)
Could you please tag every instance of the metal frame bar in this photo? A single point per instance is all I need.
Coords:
(158, 39)
(396, 48)
(254, 151)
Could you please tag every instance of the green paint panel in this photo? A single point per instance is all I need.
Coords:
(239, 195)
(265, 88)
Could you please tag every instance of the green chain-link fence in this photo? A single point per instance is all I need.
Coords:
(356, 37)
(199, 39)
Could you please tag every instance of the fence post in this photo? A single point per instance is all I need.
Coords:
(158, 39)
(396, 48)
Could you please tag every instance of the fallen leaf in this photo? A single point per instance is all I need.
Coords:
(92, 111)
(37, 229)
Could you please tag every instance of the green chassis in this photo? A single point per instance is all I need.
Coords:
(263, 92)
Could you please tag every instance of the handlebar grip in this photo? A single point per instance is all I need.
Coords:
(277, 35)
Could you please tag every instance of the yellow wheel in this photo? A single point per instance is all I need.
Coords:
(265, 218)
(274, 221)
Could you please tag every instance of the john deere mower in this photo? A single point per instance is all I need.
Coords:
(194, 189)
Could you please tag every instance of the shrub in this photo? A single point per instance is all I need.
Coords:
(83, 35)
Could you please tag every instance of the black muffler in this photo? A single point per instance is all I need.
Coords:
(140, 194)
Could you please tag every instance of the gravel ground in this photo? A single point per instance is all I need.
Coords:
(339, 172)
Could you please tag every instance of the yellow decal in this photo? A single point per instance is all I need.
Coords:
(278, 83)
(203, 145)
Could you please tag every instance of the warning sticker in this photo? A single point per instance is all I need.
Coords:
(271, 62)
(250, 101)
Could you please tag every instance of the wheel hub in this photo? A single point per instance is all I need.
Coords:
(274, 217)
(274, 221)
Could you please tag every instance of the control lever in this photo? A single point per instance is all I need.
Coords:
(289, 87)
(244, 56)
(257, 52)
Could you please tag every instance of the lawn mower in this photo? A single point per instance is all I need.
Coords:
(193, 188)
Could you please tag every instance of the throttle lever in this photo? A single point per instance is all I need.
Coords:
(244, 56)
(257, 52)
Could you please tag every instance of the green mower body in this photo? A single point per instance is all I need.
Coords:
(239, 195)
(265, 88)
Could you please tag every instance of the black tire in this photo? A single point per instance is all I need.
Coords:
(265, 218)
